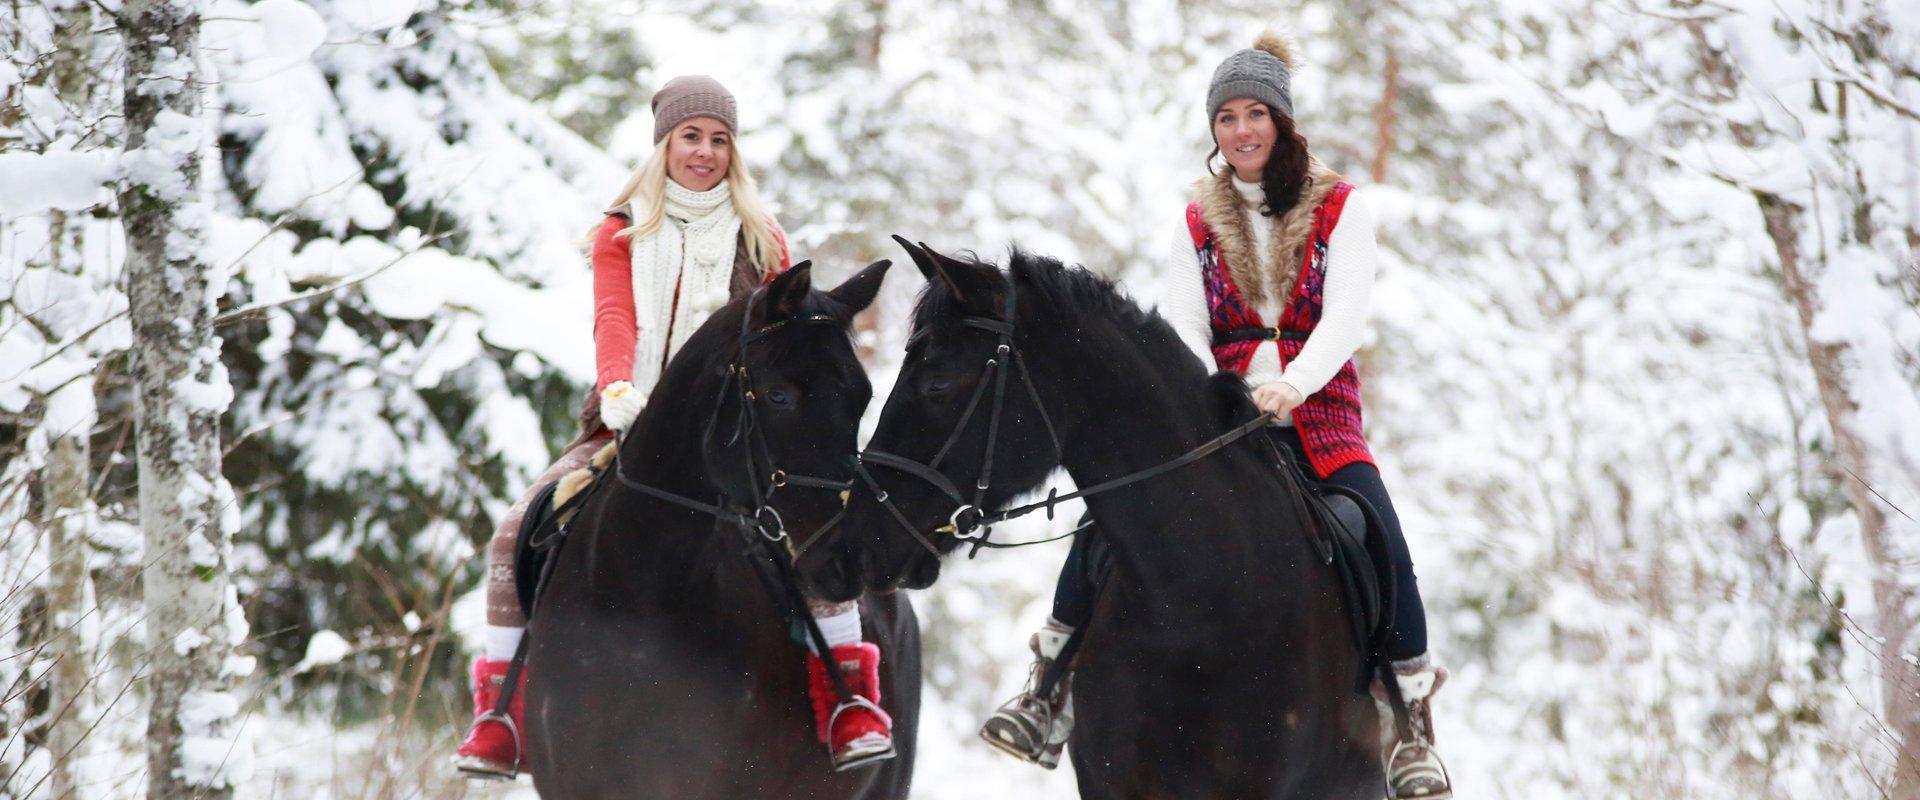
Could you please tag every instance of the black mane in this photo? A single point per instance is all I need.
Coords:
(1085, 303)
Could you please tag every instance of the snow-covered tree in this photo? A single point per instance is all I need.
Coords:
(186, 505)
(1807, 110)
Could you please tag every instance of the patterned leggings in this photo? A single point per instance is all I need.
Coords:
(503, 599)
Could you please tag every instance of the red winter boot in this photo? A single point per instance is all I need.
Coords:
(857, 732)
(494, 748)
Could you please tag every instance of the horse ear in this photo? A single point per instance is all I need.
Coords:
(947, 264)
(857, 292)
(787, 291)
(923, 259)
(963, 275)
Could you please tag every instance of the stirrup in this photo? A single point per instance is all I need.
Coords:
(471, 767)
(858, 757)
(1428, 769)
(1012, 728)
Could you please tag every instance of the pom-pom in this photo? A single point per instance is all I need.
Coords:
(1279, 45)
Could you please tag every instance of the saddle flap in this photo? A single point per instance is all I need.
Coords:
(1349, 525)
(529, 560)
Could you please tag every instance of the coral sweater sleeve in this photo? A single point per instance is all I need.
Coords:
(614, 327)
(786, 253)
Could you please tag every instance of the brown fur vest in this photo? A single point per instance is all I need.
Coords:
(1227, 216)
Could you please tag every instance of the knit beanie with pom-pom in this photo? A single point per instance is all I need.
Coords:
(1263, 72)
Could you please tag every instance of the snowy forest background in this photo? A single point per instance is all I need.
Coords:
(1644, 371)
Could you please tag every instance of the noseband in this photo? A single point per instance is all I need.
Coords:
(968, 522)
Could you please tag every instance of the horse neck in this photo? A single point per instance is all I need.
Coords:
(658, 538)
(1120, 413)
(1117, 411)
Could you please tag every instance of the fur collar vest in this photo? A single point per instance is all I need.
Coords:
(1262, 276)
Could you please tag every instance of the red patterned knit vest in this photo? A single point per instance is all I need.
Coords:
(1329, 421)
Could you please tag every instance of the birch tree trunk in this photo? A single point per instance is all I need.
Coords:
(68, 601)
(193, 620)
(69, 590)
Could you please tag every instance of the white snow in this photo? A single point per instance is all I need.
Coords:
(213, 752)
(325, 648)
(62, 181)
(290, 29)
(374, 15)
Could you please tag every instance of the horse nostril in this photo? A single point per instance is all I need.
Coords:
(922, 573)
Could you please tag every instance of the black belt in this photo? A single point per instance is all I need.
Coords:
(1235, 335)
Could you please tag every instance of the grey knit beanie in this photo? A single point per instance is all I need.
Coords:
(1263, 72)
(691, 96)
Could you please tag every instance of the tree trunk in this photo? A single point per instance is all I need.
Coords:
(192, 622)
(1385, 115)
(68, 598)
(1893, 602)
(64, 486)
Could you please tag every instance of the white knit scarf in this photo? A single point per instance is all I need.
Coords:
(694, 247)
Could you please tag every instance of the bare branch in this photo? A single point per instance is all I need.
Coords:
(252, 309)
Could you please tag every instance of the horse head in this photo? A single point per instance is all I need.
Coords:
(965, 410)
(774, 390)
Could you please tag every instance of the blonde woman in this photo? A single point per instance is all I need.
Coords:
(687, 234)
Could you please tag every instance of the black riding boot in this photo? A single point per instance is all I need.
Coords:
(1414, 770)
(1031, 727)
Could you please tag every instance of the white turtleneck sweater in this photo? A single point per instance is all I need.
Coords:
(1351, 256)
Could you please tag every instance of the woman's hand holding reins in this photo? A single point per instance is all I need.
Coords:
(1278, 398)
(620, 404)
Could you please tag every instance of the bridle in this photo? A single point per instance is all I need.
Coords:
(761, 516)
(967, 516)
(969, 522)
(776, 569)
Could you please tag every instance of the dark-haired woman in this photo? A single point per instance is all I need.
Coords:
(1269, 276)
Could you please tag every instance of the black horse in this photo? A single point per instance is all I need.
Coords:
(660, 666)
(1218, 662)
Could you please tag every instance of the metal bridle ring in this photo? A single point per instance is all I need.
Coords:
(968, 533)
(760, 523)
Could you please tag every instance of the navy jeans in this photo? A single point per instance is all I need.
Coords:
(1073, 593)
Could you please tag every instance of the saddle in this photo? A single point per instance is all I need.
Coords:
(544, 525)
(1352, 541)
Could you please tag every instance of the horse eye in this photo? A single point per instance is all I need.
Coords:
(779, 397)
(938, 385)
